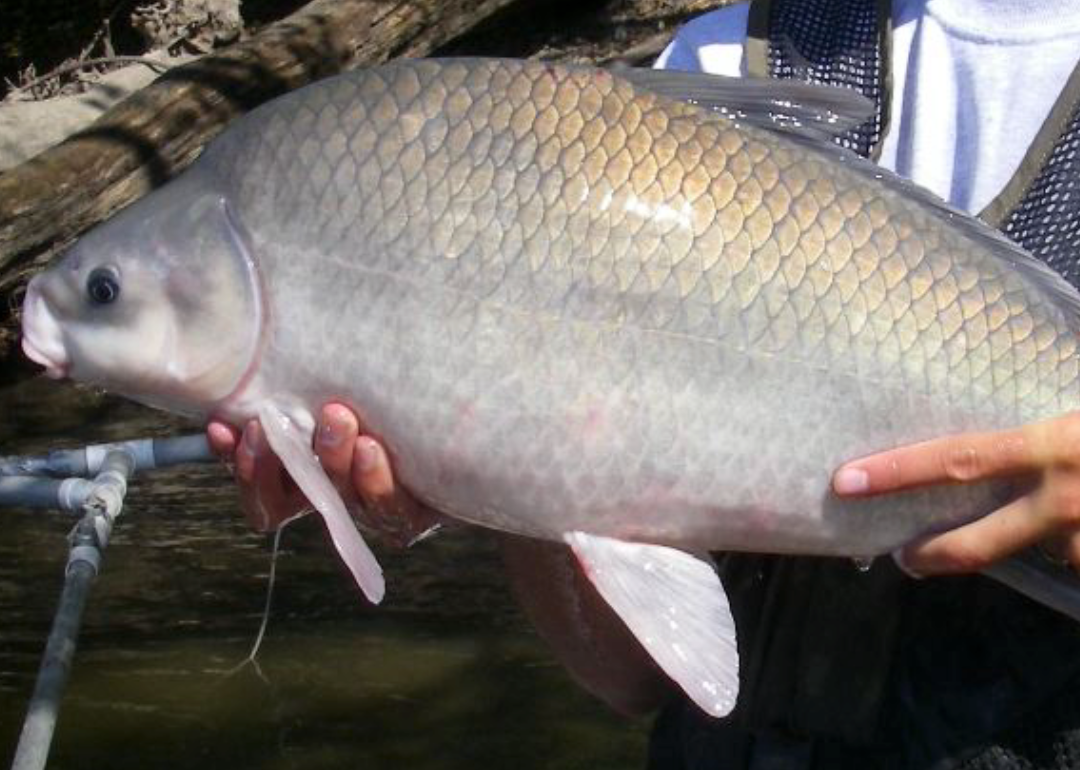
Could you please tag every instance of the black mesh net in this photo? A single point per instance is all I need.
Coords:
(1047, 220)
(685, 739)
(833, 42)
(836, 42)
(1048, 739)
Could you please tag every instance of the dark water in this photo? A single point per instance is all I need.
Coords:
(445, 675)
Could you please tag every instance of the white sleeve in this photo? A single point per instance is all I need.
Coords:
(713, 42)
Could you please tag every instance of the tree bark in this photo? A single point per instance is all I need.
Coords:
(142, 142)
(149, 137)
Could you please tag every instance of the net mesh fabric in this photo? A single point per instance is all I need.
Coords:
(1047, 220)
(1047, 739)
(832, 42)
(835, 42)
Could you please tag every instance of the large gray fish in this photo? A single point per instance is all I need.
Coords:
(575, 307)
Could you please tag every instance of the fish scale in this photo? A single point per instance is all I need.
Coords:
(514, 235)
(576, 306)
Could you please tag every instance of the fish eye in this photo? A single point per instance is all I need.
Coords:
(103, 285)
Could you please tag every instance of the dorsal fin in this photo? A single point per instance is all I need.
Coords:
(778, 105)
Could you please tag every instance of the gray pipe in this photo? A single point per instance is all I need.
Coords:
(86, 461)
(35, 492)
(102, 505)
(36, 737)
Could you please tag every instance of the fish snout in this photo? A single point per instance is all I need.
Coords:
(42, 340)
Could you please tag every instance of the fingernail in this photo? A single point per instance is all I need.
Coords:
(331, 432)
(851, 481)
(220, 436)
(367, 455)
(900, 557)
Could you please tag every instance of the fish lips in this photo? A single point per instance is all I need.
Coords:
(42, 339)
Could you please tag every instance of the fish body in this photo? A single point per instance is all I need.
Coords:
(566, 304)
(570, 303)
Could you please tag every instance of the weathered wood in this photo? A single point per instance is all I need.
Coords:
(48, 201)
(147, 138)
(601, 32)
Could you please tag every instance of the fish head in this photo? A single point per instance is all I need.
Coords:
(161, 303)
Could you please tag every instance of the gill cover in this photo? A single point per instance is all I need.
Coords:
(183, 315)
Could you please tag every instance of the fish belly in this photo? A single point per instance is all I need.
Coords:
(542, 426)
(566, 303)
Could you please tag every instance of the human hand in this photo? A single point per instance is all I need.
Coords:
(583, 631)
(356, 463)
(1047, 454)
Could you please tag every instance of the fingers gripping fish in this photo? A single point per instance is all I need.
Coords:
(634, 313)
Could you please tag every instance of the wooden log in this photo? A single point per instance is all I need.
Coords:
(603, 32)
(51, 199)
(146, 139)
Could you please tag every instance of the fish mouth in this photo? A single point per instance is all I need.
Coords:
(42, 340)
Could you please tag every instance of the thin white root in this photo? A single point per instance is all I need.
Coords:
(251, 656)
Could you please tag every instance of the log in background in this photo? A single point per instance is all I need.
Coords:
(51, 199)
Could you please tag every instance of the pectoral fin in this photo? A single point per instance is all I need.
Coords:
(292, 443)
(676, 607)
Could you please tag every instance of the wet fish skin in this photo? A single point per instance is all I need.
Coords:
(574, 308)
(570, 304)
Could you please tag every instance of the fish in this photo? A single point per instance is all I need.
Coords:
(645, 314)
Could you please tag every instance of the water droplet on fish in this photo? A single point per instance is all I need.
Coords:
(863, 563)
